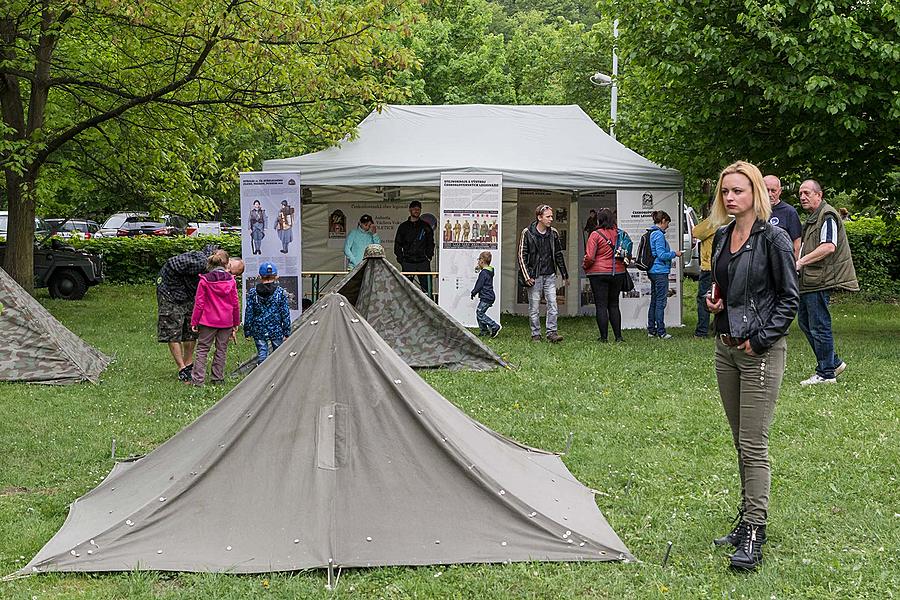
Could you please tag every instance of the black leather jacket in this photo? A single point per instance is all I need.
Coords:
(763, 294)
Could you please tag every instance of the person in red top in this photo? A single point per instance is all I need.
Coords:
(605, 272)
(216, 316)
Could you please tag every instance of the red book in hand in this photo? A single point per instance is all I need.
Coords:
(714, 293)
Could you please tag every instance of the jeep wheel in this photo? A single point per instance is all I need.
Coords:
(67, 284)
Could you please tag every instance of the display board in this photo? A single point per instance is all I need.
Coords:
(343, 217)
(634, 210)
(270, 222)
(470, 223)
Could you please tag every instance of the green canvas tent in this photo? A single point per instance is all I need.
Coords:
(334, 452)
(37, 348)
(420, 331)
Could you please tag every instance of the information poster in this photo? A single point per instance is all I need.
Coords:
(343, 217)
(588, 207)
(469, 224)
(270, 222)
(635, 208)
(528, 201)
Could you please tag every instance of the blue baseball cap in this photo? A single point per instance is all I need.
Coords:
(267, 269)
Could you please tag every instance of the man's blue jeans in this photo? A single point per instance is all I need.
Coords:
(487, 324)
(262, 347)
(703, 285)
(656, 315)
(815, 322)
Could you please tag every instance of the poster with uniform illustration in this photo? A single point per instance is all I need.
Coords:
(634, 210)
(469, 224)
(270, 230)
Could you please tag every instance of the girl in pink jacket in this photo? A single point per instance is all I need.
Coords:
(217, 314)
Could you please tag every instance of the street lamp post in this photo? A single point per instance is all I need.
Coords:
(604, 80)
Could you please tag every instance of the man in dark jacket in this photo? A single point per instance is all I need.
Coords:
(540, 255)
(414, 244)
(825, 264)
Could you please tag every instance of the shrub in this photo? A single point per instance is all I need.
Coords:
(876, 256)
(139, 259)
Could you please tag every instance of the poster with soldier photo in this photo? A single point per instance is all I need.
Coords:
(270, 229)
(469, 224)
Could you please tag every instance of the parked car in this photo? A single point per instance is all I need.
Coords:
(67, 272)
(196, 228)
(40, 226)
(127, 224)
(690, 259)
(77, 228)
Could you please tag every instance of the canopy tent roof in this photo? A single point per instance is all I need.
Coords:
(543, 147)
(422, 333)
(36, 347)
(332, 451)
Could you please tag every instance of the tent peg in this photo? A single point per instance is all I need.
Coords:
(569, 439)
(666, 557)
(112, 452)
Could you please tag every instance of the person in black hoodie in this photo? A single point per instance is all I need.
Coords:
(540, 255)
(414, 244)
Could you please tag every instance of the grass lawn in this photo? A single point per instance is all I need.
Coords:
(649, 433)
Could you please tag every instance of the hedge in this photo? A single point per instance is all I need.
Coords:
(876, 255)
(139, 259)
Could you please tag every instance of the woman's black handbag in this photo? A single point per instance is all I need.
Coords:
(627, 282)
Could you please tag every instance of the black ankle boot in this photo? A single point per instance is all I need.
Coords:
(749, 554)
(732, 538)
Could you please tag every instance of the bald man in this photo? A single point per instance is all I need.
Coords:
(783, 214)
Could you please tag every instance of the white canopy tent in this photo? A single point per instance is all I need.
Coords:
(400, 152)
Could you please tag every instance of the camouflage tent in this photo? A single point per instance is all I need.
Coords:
(36, 348)
(420, 331)
(332, 452)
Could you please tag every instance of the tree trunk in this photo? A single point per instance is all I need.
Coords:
(19, 259)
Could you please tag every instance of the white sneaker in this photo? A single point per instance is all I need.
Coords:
(667, 336)
(816, 379)
(840, 368)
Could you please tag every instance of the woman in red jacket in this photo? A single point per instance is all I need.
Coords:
(605, 273)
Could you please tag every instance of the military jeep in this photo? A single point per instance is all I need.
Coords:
(67, 272)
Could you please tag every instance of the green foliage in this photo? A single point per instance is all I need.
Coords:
(876, 256)
(138, 259)
(650, 435)
(803, 88)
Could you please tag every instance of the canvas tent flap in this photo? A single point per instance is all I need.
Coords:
(332, 450)
(36, 347)
(420, 331)
(540, 147)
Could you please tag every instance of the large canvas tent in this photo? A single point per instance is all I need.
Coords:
(400, 152)
(36, 347)
(332, 452)
(416, 328)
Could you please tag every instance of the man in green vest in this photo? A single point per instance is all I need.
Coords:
(825, 264)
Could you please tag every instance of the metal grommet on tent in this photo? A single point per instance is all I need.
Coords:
(129, 522)
(373, 352)
(437, 541)
(313, 322)
(293, 354)
(354, 320)
(228, 548)
(296, 541)
(368, 539)
(532, 515)
(159, 551)
(502, 492)
(341, 304)
(502, 543)
(398, 381)
(90, 551)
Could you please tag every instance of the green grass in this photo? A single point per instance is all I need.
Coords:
(649, 433)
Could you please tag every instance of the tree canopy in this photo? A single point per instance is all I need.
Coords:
(803, 88)
(132, 90)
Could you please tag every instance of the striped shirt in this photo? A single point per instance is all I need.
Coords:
(828, 235)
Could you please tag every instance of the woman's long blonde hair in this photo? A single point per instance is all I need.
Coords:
(761, 205)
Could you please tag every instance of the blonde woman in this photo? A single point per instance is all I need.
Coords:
(754, 297)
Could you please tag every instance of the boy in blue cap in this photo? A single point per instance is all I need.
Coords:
(267, 318)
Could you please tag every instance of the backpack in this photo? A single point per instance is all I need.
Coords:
(644, 258)
(624, 246)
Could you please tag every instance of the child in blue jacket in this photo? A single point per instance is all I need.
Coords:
(484, 289)
(267, 318)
